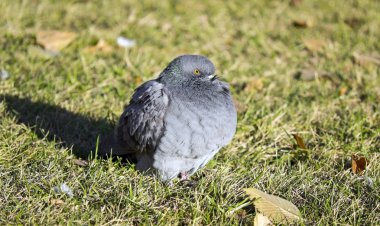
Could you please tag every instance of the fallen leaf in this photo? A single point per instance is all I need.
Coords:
(166, 26)
(365, 59)
(277, 209)
(240, 107)
(295, 2)
(314, 45)
(125, 42)
(347, 68)
(261, 220)
(343, 90)
(254, 85)
(354, 22)
(302, 23)
(101, 46)
(358, 164)
(311, 74)
(3, 74)
(299, 141)
(56, 202)
(55, 40)
(80, 162)
(241, 214)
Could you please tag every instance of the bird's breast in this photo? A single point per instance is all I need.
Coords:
(195, 128)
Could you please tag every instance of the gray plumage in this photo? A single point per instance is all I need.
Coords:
(176, 123)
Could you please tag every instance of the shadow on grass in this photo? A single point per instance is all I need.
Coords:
(70, 130)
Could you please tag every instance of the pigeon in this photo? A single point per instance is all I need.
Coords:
(176, 123)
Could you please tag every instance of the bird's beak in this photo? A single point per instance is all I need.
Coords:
(212, 77)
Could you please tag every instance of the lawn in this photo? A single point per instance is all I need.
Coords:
(301, 67)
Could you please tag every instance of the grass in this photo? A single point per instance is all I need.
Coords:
(51, 107)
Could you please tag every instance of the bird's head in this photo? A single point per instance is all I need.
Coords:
(189, 68)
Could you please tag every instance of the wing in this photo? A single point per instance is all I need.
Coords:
(142, 123)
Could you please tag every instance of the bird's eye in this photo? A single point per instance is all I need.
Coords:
(196, 72)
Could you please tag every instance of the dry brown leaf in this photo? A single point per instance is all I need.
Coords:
(80, 162)
(314, 45)
(358, 164)
(343, 90)
(166, 27)
(365, 59)
(277, 209)
(56, 202)
(347, 68)
(295, 2)
(254, 85)
(354, 22)
(311, 74)
(299, 141)
(101, 46)
(55, 40)
(261, 220)
(302, 23)
(240, 107)
(241, 214)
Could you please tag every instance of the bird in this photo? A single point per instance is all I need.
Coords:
(176, 123)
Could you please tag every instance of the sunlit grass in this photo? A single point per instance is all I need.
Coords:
(52, 106)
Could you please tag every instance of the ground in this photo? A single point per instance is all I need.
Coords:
(52, 109)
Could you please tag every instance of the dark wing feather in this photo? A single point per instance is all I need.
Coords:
(142, 123)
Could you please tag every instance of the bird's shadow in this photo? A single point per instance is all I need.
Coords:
(70, 130)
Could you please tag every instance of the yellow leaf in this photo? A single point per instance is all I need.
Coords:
(254, 85)
(55, 40)
(343, 90)
(101, 46)
(261, 220)
(314, 45)
(56, 202)
(276, 208)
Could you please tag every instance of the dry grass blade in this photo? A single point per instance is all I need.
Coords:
(276, 208)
